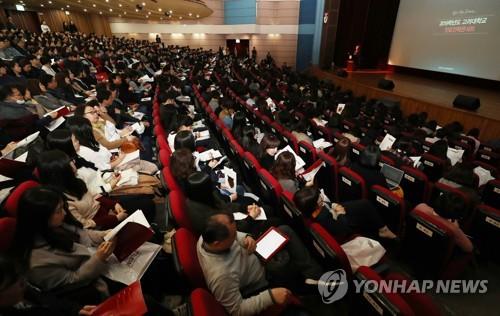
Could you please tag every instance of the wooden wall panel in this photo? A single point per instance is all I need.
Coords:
(26, 20)
(278, 12)
(86, 23)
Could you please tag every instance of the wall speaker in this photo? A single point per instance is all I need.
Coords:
(466, 102)
(386, 84)
(341, 73)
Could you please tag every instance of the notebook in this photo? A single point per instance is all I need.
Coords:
(270, 243)
(392, 175)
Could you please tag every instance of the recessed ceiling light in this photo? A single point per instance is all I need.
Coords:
(67, 6)
(159, 9)
(62, 9)
(120, 5)
(50, 2)
(107, 0)
(136, 10)
(170, 11)
(100, 12)
(180, 18)
(93, 5)
(119, 15)
(190, 14)
(197, 15)
(41, 5)
(143, 4)
(84, 10)
(124, 12)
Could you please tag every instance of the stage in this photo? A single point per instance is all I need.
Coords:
(417, 94)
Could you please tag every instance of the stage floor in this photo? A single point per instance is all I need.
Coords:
(433, 91)
(434, 96)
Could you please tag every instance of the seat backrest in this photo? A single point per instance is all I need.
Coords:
(428, 243)
(12, 201)
(178, 209)
(290, 140)
(440, 188)
(356, 150)
(326, 247)
(236, 150)
(491, 193)
(250, 166)
(433, 166)
(164, 157)
(168, 180)
(415, 185)
(203, 303)
(7, 230)
(185, 258)
(390, 206)
(161, 140)
(489, 157)
(486, 231)
(378, 302)
(270, 188)
(327, 176)
(352, 186)
(420, 303)
(307, 152)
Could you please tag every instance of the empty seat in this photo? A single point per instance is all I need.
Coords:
(489, 157)
(351, 185)
(356, 150)
(415, 185)
(186, 258)
(391, 207)
(290, 140)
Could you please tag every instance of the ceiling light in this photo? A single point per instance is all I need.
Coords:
(93, 5)
(62, 9)
(124, 12)
(19, 7)
(159, 9)
(67, 12)
(190, 14)
(119, 15)
(120, 5)
(170, 11)
(197, 16)
(41, 5)
(180, 18)
(84, 10)
(100, 12)
(67, 6)
(107, 0)
(144, 4)
(110, 10)
(136, 10)
(50, 2)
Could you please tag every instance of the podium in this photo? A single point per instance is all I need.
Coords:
(350, 65)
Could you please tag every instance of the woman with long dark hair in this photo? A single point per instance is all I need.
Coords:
(55, 168)
(342, 220)
(284, 171)
(54, 246)
(268, 149)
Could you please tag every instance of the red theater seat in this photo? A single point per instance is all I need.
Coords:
(177, 209)
(12, 200)
(352, 186)
(186, 258)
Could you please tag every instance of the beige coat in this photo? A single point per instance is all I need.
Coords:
(85, 209)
